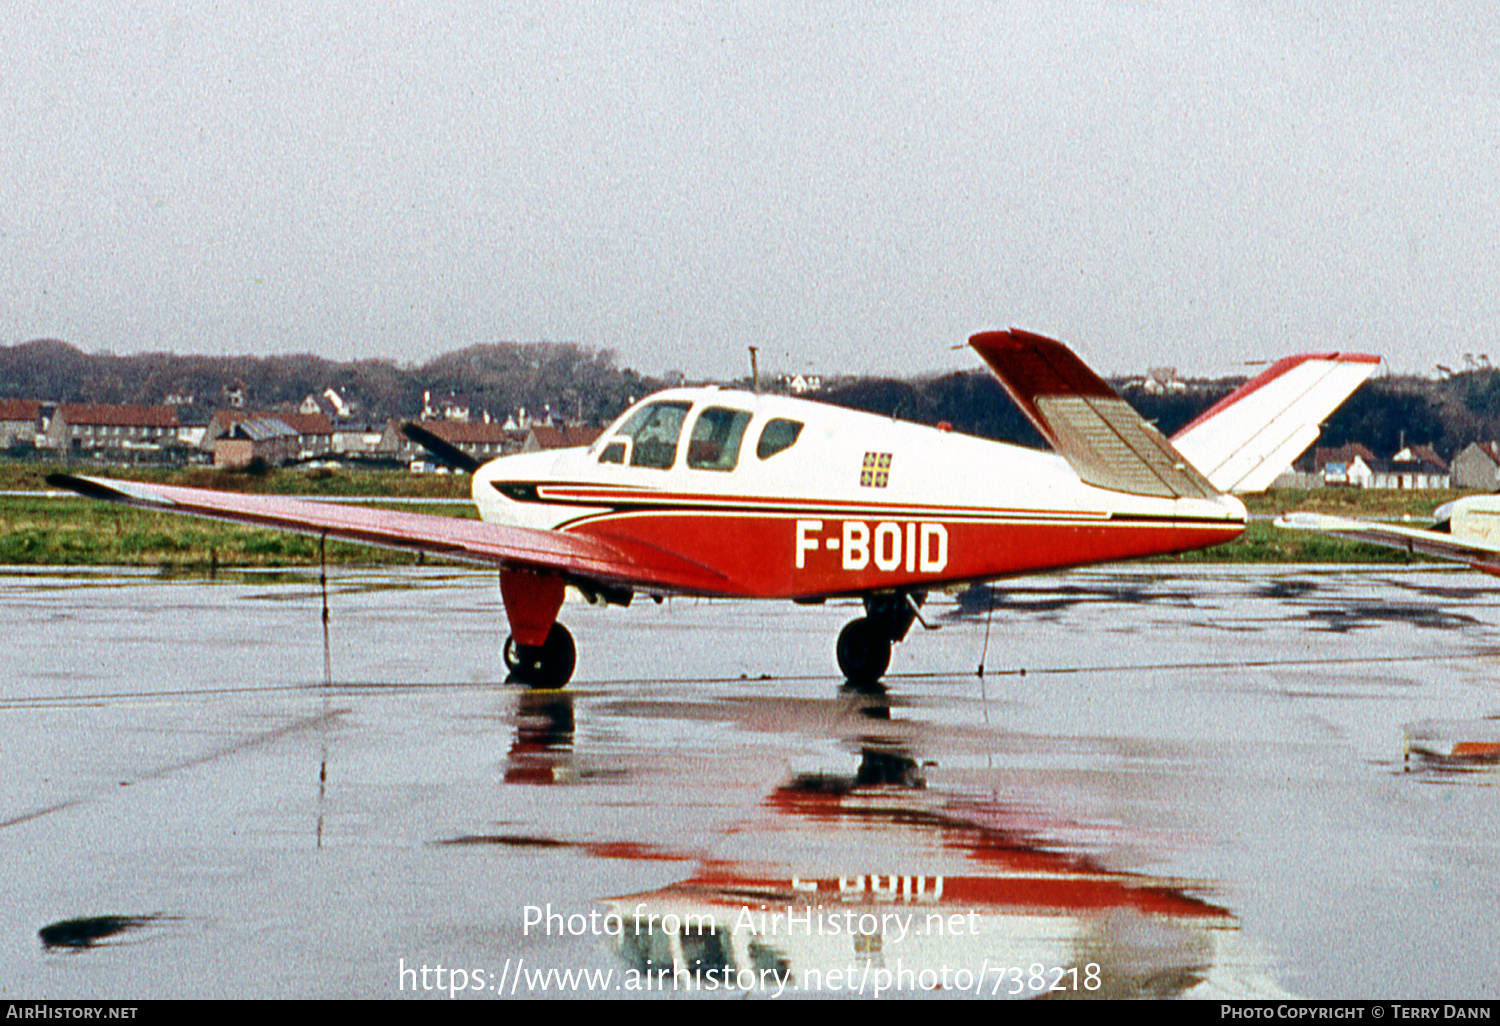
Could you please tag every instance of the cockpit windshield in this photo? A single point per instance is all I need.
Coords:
(651, 435)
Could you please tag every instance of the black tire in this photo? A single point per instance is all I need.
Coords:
(545, 667)
(863, 652)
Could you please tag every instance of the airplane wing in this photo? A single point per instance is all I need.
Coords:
(471, 541)
(1244, 441)
(1477, 553)
(1104, 439)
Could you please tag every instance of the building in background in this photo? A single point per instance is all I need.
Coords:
(1478, 466)
(313, 433)
(20, 422)
(100, 429)
(269, 440)
(541, 436)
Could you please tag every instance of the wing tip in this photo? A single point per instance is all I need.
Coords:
(85, 486)
(107, 490)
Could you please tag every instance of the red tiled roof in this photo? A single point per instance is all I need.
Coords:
(1426, 454)
(118, 416)
(565, 437)
(464, 433)
(307, 423)
(20, 409)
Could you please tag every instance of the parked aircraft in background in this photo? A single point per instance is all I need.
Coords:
(1466, 530)
(710, 491)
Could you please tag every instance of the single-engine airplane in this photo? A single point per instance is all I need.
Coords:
(716, 492)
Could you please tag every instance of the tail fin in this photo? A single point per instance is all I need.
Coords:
(1104, 439)
(1249, 437)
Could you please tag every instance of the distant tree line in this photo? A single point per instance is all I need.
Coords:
(1384, 414)
(581, 384)
(577, 383)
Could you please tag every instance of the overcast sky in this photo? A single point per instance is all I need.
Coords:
(851, 187)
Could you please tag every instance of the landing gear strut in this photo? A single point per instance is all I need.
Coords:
(547, 666)
(864, 646)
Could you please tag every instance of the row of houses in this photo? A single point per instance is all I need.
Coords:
(1355, 466)
(1476, 467)
(240, 437)
(27, 422)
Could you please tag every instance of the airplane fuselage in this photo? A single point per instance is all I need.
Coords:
(780, 497)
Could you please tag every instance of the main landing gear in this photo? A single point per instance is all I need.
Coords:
(864, 646)
(540, 651)
(547, 666)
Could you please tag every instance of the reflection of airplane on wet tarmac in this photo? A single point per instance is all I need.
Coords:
(870, 880)
(959, 907)
(874, 881)
(703, 491)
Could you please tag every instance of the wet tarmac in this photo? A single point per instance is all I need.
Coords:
(1207, 782)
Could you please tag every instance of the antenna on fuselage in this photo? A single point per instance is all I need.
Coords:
(754, 369)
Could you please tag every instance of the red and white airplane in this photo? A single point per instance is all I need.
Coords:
(714, 492)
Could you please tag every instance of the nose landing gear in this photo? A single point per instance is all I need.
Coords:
(864, 645)
(863, 652)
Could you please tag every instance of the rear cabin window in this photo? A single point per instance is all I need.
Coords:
(653, 432)
(715, 441)
(778, 435)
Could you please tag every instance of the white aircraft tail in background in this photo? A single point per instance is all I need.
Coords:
(1247, 439)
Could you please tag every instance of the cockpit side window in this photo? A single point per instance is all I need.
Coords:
(778, 435)
(653, 431)
(715, 441)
